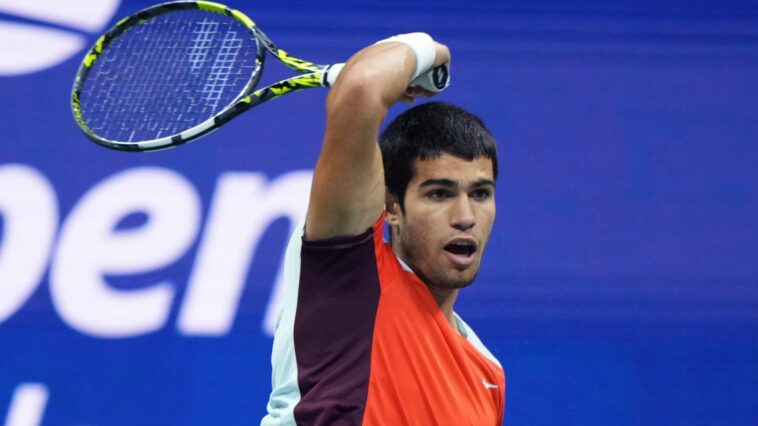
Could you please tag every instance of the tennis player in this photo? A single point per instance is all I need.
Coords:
(367, 334)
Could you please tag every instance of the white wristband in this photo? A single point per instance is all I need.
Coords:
(422, 44)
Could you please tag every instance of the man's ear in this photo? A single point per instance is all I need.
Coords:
(393, 208)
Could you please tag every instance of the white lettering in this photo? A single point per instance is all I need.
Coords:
(91, 246)
(28, 405)
(242, 209)
(30, 216)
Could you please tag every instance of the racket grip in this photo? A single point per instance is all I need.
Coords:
(434, 80)
(331, 74)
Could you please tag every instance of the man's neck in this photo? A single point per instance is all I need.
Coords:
(446, 299)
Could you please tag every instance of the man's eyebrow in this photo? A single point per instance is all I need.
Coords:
(483, 182)
(440, 182)
(452, 184)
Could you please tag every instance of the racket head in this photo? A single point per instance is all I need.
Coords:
(163, 76)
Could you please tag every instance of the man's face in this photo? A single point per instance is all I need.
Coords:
(449, 211)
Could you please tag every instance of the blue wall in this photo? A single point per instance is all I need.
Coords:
(620, 286)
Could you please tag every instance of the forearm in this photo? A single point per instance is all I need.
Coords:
(371, 82)
(378, 75)
(348, 187)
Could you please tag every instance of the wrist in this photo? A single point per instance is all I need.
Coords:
(422, 45)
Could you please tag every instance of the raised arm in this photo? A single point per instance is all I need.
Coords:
(347, 195)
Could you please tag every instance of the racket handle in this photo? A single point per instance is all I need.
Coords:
(331, 74)
(434, 80)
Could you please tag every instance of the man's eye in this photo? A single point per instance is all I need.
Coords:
(481, 194)
(439, 194)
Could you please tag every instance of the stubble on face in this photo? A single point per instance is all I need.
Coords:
(427, 224)
(418, 252)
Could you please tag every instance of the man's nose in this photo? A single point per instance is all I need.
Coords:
(463, 214)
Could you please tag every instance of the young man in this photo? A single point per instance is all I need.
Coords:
(367, 335)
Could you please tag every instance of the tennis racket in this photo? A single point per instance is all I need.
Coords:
(174, 72)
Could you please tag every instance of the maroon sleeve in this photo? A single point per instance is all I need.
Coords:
(337, 302)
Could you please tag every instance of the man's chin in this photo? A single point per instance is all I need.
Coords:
(454, 280)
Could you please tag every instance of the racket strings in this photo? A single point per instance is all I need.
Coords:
(167, 74)
(222, 70)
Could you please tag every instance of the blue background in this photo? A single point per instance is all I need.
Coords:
(621, 283)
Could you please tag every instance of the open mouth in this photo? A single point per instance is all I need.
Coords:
(461, 248)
